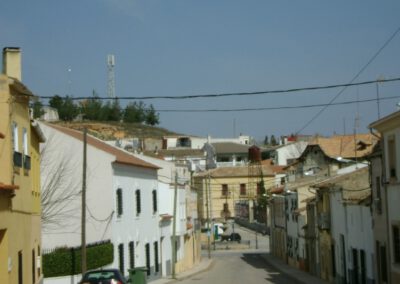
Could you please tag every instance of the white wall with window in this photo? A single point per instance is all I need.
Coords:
(138, 223)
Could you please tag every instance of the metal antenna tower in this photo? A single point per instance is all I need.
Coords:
(111, 76)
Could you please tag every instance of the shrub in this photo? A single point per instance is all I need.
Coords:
(67, 261)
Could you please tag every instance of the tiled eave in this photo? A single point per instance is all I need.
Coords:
(2, 136)
(8, 187)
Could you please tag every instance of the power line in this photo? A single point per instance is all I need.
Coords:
(278, 107)
(351, 81)
(239, 93)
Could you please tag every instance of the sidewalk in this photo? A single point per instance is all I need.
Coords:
(204, 265)
(294, 273)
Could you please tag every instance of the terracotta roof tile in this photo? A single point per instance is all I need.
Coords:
(230, 147)
(2, 136)
(346, 146)
(8, 186)
(120, 155)
(236, 172)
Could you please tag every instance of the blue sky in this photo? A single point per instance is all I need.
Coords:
(185, 47)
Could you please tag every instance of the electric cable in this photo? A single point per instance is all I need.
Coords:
(351, 81)
(237, 93)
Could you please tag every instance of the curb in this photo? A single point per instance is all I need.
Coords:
(180, 278)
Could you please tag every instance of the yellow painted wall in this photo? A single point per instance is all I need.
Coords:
(217, 200)
(192, 253)
(20, 223)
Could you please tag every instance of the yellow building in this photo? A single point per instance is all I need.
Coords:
(231, 191)
(20, 225)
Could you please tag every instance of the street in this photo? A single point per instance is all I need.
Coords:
(241, 266)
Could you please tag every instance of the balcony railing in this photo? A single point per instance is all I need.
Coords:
(27, 162)
(17, 158)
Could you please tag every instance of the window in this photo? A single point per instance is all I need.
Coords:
(26, 158)
(33, 267)
(138, 203)
(15, 137)
(392, 157)
(378, 201)
(17, 156)
(20, 268)
(147, 250)
(38, 267)
(224, 190)
(121, 258)
(154, 201)
(119, 202)
(396, 244)
(157, 268)
(25, 141)
(242, 189)
(226, 207)
(131, 255)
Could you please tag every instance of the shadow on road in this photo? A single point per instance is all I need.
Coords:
(274, 276)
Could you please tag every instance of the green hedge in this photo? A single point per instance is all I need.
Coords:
(67, 261)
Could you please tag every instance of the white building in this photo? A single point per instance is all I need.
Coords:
(187, 217)
(386, 189)
(121, 200)
(285, 154)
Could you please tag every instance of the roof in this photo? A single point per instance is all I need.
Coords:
(275, 168)
(121, 156)
(354, 185)
(346, 146)
(235, 172)
(386, 121)
(8, 186)
(230, 147)
(19, 87)
(180, 153)
(38, 130)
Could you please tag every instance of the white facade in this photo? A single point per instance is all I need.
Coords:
(289, 152)
(63, 153)
(124, 225)
(351, 230)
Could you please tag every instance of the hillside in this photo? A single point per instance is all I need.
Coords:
(118, 130)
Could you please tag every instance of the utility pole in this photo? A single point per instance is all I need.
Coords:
(174, 227)
(83, 220)
(208, 217)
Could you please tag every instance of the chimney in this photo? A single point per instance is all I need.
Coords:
(12, 62)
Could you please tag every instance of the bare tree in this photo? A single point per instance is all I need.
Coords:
(60, 194)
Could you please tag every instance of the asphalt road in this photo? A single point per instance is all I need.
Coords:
(241, 266)
(232, 267)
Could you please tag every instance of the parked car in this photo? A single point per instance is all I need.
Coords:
(235, 237)
(103, 276)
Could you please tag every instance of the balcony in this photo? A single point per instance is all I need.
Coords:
(27, 162)
(17, 158)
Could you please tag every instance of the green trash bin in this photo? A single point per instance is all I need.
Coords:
(138, 275)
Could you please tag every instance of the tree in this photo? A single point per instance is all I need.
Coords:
(134, 112)
(152, 118)
(66, 108)
(58, 190)
(266, 141)
(91, 108)
(69, 110)
(37, 109)
(56, 102)
(273, 140)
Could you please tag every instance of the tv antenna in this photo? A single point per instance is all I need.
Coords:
(111, 76)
